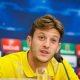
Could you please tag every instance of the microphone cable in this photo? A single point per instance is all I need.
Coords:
(59, 58)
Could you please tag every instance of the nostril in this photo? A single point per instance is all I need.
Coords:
(46, 45)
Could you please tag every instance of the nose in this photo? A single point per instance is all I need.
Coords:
(46, 44)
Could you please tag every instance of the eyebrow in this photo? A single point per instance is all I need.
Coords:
(41, 33)
(55, 36)
(44, 34)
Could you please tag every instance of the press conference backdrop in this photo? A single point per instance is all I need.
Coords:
(69, 51)
(16, 18)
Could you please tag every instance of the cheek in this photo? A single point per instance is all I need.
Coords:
(54, 47)
(36, 45)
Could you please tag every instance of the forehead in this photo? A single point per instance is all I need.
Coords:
(51, 32)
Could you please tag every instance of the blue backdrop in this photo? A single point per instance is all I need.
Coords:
(16, 17)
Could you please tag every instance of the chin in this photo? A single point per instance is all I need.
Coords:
(44, 61)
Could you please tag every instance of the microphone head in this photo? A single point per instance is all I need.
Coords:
(58, 57)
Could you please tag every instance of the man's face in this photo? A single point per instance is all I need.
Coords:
(44, 44)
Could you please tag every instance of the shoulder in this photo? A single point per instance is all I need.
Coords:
(60, 66)
(61, 69)
(11, 59)
(11, 56)
(65, 62)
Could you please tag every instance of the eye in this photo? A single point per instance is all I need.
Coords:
(53, 40)
(41, 38)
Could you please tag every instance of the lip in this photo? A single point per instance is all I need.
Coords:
(44, 52)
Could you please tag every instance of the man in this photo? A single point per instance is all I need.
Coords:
(44, 41)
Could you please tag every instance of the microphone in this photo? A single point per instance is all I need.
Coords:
(59, 58)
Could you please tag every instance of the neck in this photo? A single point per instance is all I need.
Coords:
(34, 63)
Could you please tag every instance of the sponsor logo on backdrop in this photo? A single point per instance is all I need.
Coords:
(78, 49)
(25, 45)
(72, 59)
(67, 48)
(11, 45)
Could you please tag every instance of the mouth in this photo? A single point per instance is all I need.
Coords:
(44, 52)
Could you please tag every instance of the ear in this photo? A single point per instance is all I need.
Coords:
(59, 46)
(29, 39)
